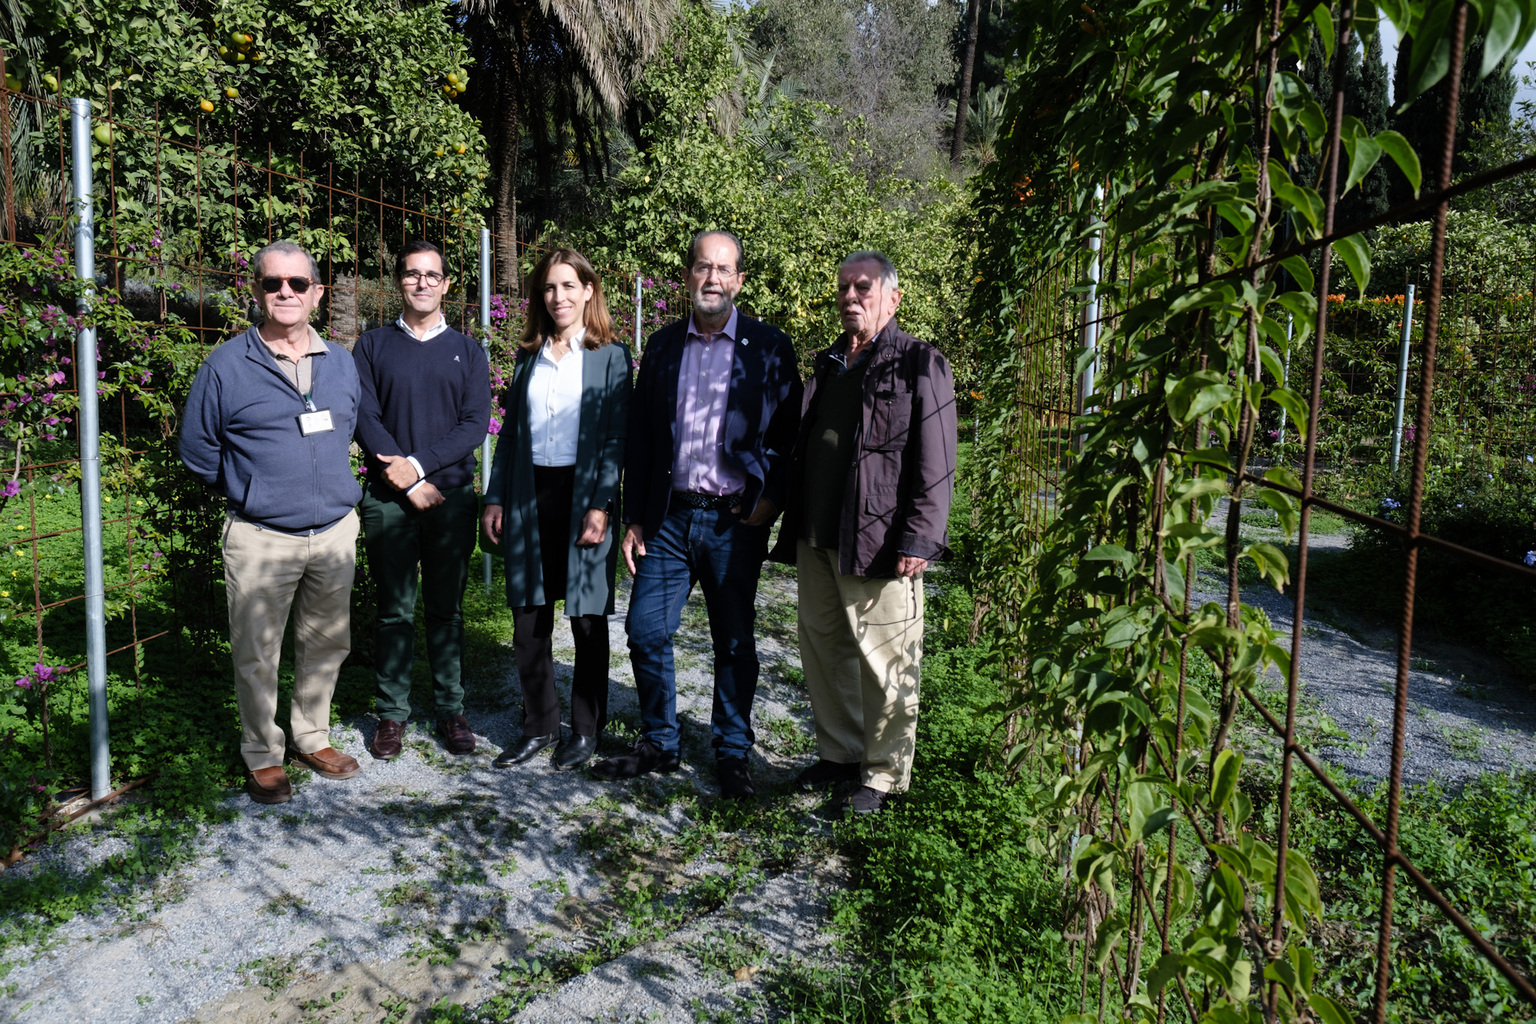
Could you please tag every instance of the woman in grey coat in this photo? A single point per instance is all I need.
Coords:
(552, 500)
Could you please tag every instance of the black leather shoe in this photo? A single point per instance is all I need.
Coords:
(735, 780)
(866, 800)
(826, 773)
(523, 751)
(644, 759)
(574, 750)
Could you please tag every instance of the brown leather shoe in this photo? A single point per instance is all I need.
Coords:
(456, 735)
(268, 785)
(330, 763)
(386, 742)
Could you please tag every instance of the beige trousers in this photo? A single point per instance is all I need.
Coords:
(861, 646)
(267, 575)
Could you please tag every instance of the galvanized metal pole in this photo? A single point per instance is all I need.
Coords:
(638, 300)
(485, 323)
(1402, 378)
(1090, 317)
(1285, 374)
(90, 453)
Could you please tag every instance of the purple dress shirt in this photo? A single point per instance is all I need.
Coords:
(703, 383)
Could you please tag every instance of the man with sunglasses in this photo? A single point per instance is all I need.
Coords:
(269, 425)
(425, 409)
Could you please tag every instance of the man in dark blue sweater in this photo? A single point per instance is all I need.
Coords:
(426, 405)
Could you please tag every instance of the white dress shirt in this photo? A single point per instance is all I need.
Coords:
(554, 405)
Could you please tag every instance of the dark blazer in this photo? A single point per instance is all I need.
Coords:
(897, 495)
(762, 417)
(599, 453)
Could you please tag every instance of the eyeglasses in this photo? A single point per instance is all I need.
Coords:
(273, 285)
(703, 270)
(432, 277)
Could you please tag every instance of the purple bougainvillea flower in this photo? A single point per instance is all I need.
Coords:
(24, 682)
(11, 489)
(44, 672)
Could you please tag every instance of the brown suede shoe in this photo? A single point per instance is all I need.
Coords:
(456, 735)
(386, 742)
(268, 785)
(330, 763)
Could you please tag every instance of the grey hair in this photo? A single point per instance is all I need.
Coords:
(282, 247)
(887, 268)
(693, 246)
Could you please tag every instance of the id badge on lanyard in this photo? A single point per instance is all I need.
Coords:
(312, 420)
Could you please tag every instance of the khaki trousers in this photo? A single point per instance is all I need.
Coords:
(267, 575)
(861, 646)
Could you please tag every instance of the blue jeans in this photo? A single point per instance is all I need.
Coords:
(725, 558)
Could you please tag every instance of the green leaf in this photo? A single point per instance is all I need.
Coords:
(1328, 1011)
(1271, 362)
(1402, 154)
(1212, 396)
(1430, 57)
(1322, 20)
(1109, 553)
(1291, 402)
(1283, 476)
(1224, 777)
(1284, 506)
(1502, 25)
(1297, 267)
(1168, 967)
(1363, 154)
(1357, 257)
(1271, 561)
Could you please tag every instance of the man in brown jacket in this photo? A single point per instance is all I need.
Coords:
(871, 480)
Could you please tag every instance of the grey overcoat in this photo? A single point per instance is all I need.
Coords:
(605, 374)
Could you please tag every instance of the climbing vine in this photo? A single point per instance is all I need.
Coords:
(1175, 133)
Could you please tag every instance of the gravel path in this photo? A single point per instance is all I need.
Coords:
(435, 877)
(1467, 716)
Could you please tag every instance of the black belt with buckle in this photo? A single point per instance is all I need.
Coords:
(704, 502)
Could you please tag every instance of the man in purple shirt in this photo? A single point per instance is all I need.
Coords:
(714, 414)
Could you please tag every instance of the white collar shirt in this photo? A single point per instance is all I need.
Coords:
(432, 332)
(554, 405)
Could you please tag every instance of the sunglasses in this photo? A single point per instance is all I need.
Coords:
(273, 285)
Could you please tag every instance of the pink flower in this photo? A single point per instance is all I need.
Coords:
(24, 682)
(11, 489)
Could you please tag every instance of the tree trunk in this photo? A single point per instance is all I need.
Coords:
(342, 305)
(504, 216)
(963, 101)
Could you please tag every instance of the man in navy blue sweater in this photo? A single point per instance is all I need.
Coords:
(269, 426)
(426, 405)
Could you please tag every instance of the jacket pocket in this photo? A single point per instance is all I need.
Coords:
(890, 420)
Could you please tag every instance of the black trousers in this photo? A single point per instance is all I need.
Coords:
(532, 627)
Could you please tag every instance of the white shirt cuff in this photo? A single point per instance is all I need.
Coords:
(414, 487)
(421, 473)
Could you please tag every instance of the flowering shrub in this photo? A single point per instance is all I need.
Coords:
(143, 371)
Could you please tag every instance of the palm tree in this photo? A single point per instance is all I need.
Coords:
(549, 56)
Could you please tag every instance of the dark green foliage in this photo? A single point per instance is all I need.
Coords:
(951, 916)
(1477, 845)
(1475, 500)
(1482, 112)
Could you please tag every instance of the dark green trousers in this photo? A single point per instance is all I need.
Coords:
(439, 541)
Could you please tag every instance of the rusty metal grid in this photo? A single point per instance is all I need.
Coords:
(1481, 376)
